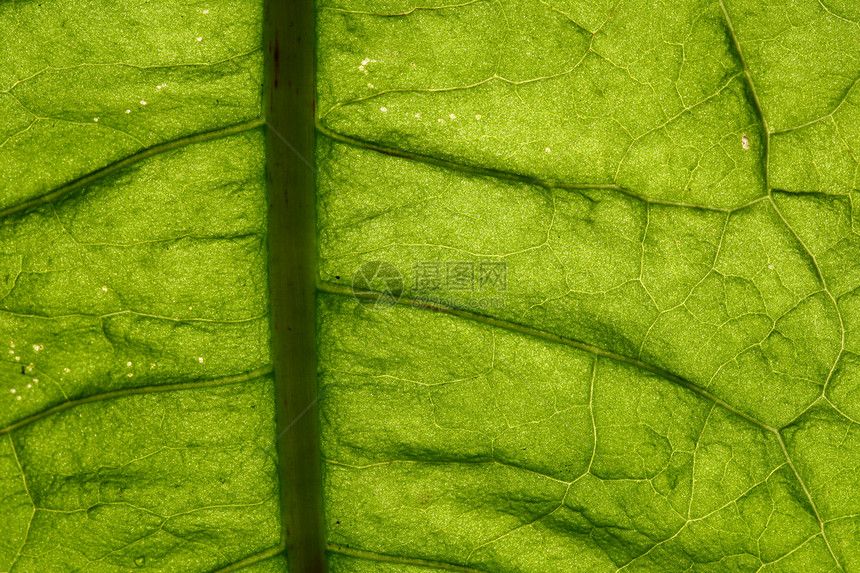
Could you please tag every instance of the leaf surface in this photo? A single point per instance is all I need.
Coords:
(136, 397)
(625, 250)
(668, 379)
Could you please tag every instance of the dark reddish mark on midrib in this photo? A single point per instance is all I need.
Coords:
(276, 60)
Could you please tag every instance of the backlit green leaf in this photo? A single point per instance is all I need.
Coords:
(618, 249)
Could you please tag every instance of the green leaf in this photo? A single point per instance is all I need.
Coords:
(669, 381)
(619, 254)
(136, 397)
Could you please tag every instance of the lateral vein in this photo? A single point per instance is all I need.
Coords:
(512, 326)
(222, 381)
(809, 498)
(372, 556)
(518, 178)
(256, 558)
(130, 160)
(737, 45)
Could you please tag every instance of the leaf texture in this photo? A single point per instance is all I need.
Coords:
(668, 380)
(136, 400)
(625, 257)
